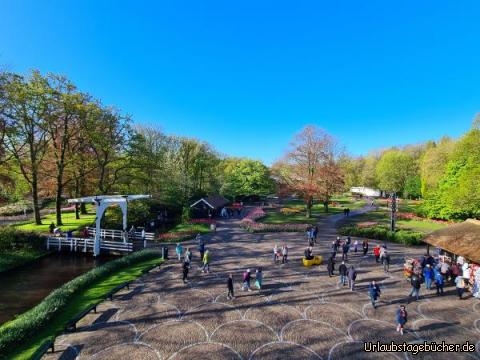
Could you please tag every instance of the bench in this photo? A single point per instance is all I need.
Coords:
(72, 323)
(317, 260)
(43, 349)
(117, 289)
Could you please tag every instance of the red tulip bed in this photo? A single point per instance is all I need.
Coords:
(249, 223)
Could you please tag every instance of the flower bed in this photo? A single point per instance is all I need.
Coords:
(177, 236)
(249, 223)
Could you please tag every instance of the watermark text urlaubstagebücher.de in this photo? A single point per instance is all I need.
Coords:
(416, 348)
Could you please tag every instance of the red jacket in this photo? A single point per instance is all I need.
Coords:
(376, 251)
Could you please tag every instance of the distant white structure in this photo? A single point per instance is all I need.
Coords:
(365, 191)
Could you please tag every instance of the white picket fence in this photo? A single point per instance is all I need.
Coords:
(84, 245)
(118, 234)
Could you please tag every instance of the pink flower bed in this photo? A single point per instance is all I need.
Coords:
(177, 236)
(249, 223)
(367, 224)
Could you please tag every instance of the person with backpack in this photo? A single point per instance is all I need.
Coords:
(428, 276)
(374, 293)
(206, 261)
(330, 266)
(439, 282)
(231, 294)
(342, 270)
(460, 286)
(246, 280)
(416, 283)
(352, 276)
(401, 318)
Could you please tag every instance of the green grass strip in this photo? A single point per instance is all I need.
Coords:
(27, 342)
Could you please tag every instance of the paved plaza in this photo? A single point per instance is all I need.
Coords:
(300, 314)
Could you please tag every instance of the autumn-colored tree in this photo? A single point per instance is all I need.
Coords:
(310, 168)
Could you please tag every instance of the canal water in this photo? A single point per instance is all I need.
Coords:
(26, 286)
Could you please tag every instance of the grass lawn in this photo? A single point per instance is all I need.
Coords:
(318, 210)
(382, 217)
(196, 228)
(94, 293)
(12, 259)
(69, 222)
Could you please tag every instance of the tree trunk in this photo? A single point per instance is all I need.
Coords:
(309, 208)
(58, 203)
(36, 205)
(325, 205)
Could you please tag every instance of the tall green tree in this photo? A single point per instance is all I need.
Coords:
(25, 107)
(245, 177)
(393, 170)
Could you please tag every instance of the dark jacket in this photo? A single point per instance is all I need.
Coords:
(415, 281)
(374, 291)
(230, 283)
(342, 269)
(401, 317)
(330, 264)
(352, 274)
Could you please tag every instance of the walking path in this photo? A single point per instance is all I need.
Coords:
(300, 314)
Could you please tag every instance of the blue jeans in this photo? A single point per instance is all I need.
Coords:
(428, 283)
(415, 292)
(343, 279)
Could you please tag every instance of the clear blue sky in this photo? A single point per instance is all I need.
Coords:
(247, 75)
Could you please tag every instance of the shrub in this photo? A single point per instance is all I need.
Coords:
(14, 333)
(406, 237)
(12, 239)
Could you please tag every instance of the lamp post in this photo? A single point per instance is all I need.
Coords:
(393, 211)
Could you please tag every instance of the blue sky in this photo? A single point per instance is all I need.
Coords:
(246, 75)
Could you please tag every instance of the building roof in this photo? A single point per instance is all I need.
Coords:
(213, 201)
(460, 239)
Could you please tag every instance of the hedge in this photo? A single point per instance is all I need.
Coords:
(406, 237)
(17, 331)
(12, 239)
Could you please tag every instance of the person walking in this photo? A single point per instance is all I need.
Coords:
(231, 294)
(315, 233)
(345, 248)
(342, 269)
(185, 272)
(206, 261)
(428, 276)
(201, 249)
(334, 249)
(179, 251)
(460, 286)
(439, 282)
(401, 318)
(330, 266)
(416, 283)
(246, 280)
(365, 247)
(374, 293)
(284, 254)
(376, 252)
(188, 257)
(352, 276)
(259, 278)
(275, 253)
(386, 262)
(355, 246)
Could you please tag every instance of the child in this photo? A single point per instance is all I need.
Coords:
(258, 278)
(401, 318)
(246, 280)
(284, 254)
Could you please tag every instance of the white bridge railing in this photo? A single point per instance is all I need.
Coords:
(82, 244)
(119, 234)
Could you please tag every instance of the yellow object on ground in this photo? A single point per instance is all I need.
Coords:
(317, 260)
